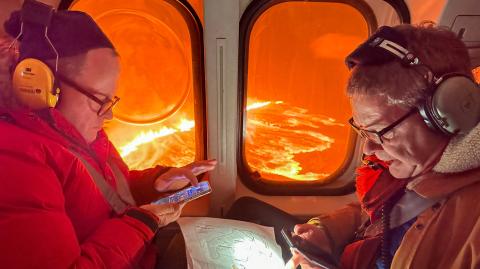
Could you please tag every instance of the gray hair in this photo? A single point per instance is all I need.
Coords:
(438, 48)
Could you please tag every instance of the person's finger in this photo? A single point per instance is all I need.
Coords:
(290, 265)
(165, 213)
(161, 210)
(200, 167)
(164, 209)
(175, 179)
(171, 184)
(303, 228)
(299, 259)
(178, 183)
(296, 258)
(191, 177)
(173, 216)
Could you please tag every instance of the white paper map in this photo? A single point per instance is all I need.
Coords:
(213, 243)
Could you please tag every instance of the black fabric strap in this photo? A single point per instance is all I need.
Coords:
(143, 217)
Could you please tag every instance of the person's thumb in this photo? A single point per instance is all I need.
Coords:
(290, 264)
(303, 228)
(161, 209)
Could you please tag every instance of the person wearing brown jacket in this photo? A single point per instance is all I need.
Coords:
(416, 104)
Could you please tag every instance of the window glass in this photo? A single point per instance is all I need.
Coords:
(297, 111)
(154, 123)
(476, 74)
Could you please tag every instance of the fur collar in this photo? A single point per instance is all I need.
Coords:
(458, 167)
(461, 154)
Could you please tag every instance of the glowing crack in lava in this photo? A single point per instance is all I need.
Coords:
(167, 146)
(287, 142)
(282, 142)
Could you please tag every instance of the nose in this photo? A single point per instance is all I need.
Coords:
(370, 147)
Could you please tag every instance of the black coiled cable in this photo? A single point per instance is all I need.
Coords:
(385, 256)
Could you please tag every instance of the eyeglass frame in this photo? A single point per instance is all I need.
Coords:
(365, 133)
(103, 104)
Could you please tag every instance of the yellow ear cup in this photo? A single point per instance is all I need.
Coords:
(33, 83)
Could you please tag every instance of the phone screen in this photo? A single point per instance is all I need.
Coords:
(314, 255)
(187, 194)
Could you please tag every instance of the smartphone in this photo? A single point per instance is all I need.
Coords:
(187, 194)
(311, 253)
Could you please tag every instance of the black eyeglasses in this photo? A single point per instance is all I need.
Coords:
(105, 106)
(378, 136)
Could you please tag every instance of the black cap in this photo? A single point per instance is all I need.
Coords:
(71, 33)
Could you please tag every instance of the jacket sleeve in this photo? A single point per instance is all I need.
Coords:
(340, 227)
(140, 181)
(37, 231)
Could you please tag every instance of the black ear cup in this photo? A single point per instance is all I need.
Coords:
(454, 106)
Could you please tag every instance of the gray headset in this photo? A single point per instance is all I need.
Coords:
(453, 105)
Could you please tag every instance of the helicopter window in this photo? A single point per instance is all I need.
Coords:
(296, 138)
(476, 74)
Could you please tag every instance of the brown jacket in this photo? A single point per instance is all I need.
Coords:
(446, 235)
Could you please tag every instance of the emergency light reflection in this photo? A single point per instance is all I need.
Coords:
(250, 252)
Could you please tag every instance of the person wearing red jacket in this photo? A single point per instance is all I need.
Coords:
(67, 200)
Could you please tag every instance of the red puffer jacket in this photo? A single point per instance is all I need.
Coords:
(52, 215)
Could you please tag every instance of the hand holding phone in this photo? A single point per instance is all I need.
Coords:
(312, 254)
(177, 178)
(166, 213)
(187, 194)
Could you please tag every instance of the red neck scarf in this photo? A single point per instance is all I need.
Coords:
(375, 185)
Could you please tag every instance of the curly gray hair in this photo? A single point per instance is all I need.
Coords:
(438, 48)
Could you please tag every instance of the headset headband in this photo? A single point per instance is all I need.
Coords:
(385, 45)
(34, 14)
(37, 13)
(72, 32)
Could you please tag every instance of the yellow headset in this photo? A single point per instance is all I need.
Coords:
(34, 84)
(33, 81)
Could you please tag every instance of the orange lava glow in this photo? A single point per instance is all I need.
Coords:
(149, 136)
(296, 55)
(280, 142)
(287, 142)
(476, 74)
(296, 77)
(167, 146)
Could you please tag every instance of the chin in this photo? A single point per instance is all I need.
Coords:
(401, 170)
(90, 138)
